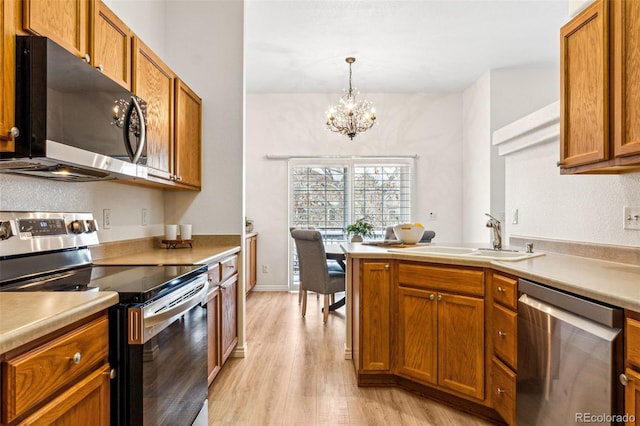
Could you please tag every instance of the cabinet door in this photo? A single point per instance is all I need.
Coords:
(251, 275)
(111, 51)
(214, 346)
(632, 396)
(375, 333)
(153, 82)
(188, 153)
(584, 87)
(626, 77)
(417, 335)
(8, 66)
(229, 294)
(461, 344)
(65, 22)
(85, 403)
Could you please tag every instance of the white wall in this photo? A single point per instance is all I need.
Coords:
(476, 160)
(146, 19)
(429, 125)
(205, 48)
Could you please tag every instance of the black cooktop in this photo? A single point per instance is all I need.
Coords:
(134, 283)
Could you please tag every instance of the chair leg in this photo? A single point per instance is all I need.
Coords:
(333, 298)
(325, 311)
(300, 293)
(304, 303)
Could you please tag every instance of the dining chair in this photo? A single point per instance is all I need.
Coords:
(315, 275)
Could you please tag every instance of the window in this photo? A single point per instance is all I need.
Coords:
(328, 196)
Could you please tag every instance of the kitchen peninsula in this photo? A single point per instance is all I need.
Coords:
(446, 326)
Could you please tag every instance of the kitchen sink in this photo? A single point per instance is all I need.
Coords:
(466, 252)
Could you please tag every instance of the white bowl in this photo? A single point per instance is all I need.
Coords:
(408, 233)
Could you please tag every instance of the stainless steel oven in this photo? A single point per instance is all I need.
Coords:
(158, 331)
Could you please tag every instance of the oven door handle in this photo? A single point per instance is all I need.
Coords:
(143, 327)
(180, 308)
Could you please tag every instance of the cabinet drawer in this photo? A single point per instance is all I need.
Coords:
(505, 337)
(505, 290)
(213, 274)
(504, 391)
(228, 267)
(633, 342)
(32, 377)
(458, 280)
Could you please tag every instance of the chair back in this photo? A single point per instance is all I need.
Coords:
(314, 273)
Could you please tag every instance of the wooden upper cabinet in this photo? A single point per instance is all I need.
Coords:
(8, 66)
(188, 142)
(112, 40)
(584, 124)
(153, 81)
(600, 89)
(626, 78)
(65, 22)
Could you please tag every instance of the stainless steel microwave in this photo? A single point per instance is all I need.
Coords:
(74, 123)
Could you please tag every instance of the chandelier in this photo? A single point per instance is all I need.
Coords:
(351, 116)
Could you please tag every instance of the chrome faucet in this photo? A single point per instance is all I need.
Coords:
(494, 224)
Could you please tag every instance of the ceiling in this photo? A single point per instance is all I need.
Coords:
(300, 46)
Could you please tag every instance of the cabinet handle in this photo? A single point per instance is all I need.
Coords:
(386, 267)
(502, 333)
(14, 132)
(431, 297)
(100, 68)
(113, 373)
(439, 297)
(500, 290)
(624, 380)
(76, 358)
(86, 58)
(500, 391)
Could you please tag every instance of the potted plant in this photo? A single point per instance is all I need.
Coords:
(360, 229)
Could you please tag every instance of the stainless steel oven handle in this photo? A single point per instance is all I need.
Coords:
(182, 307)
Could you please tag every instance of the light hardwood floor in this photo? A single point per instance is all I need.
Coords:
(295, 374)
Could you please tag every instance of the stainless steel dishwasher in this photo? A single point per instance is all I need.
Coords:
(569, 358)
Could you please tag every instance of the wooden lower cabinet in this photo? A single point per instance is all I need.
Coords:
(222, 313)
(441, 340)
(375, 324)
(63, 379)
(504, 391)
(229, 314)
(214, 333)
(632, 397)
(632, 372)
(251, 262)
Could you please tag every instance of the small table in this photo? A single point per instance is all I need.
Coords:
(334, 251)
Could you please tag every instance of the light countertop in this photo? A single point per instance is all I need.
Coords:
(178, 256)
(28, 316)
(609, 282)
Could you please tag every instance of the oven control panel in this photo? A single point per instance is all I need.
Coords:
(51, 230)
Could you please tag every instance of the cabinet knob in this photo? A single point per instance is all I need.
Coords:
(113, 373)
(386, 267)
(76, 358)
(502, 333)
(432, 296)
(14, 132)
(500, 290)
(439, 297)
(100, 68)
(86, 58)
(500, 391)
(624, 380)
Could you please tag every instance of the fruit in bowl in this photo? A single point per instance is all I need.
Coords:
(409, 233)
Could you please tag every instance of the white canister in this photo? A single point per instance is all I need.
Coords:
(171, 232)
(185, 232)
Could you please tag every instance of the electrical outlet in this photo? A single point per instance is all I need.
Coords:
(265, 269)
(145, 217)
(432, 216)
(631, 219)
(106, 219)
